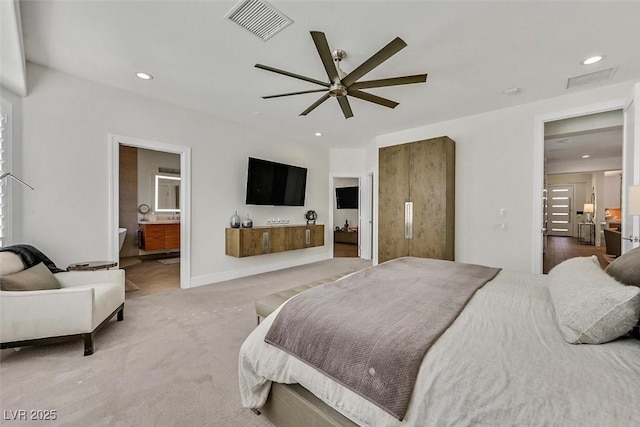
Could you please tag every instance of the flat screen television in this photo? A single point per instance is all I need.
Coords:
(347, 197)
(275, 184)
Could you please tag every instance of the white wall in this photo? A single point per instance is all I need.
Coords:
(65, 152)
(494, 170)
(14, 190)
(612, 184)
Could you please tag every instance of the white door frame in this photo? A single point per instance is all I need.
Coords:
(185, 196)
(631, 169)
(332, 198)
(538, 167)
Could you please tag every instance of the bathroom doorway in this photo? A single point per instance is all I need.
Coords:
(150, 209)
(346, 217)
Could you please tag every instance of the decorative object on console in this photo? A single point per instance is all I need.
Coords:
(634, 200)
(247, 222)
(311, 217)
(345, 227)
(144, 209)
(234, 221)
(634, 208)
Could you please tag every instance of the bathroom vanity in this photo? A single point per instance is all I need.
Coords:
(159, 235)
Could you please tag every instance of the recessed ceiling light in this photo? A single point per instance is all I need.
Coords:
(586, 156)
(511, 91)
(144, 76)
(318, 134)
(592, 60)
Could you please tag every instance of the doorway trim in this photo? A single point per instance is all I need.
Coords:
(332, 198)
(538, 166)
(114, 142)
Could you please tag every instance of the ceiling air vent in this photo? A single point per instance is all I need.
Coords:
(589, 79)
(259, 18)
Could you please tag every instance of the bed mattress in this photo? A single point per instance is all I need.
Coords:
(503, 361)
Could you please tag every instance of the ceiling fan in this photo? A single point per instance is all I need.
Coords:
(341, 84)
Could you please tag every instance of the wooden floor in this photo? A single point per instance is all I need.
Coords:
(152, 277)
(562, 248)
(345, 250)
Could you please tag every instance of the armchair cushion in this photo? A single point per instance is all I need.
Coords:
(36, 278)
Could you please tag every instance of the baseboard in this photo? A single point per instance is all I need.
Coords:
(250, 271)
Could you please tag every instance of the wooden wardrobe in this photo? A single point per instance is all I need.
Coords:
(416, 202)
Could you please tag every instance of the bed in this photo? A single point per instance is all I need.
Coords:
(504, 360)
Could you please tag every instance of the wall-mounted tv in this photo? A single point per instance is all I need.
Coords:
(275, 184)
(347, 197)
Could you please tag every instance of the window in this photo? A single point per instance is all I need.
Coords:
(5, 165)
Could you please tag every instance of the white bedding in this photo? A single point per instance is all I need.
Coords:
(502, 362)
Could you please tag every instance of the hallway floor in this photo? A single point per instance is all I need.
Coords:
(563, 248)
(152, 277)
(345, 250)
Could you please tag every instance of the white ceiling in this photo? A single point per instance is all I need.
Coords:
(472, 51)
(605, 144)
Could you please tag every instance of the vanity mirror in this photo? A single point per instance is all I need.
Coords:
(167, 193)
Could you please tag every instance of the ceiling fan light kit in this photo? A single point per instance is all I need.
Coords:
(340, 84)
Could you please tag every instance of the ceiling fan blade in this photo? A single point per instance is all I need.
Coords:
(325, 55)
(346, 108)
(315, 104)
(295, 76)
(378, 58)
(395, 81)
(373, 98)
(293, 93)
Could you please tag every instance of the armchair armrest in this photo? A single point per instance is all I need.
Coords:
(28, 315)
(75, 278)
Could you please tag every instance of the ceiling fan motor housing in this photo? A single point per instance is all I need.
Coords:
(337, 89)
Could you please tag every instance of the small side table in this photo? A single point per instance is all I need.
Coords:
(587, 236)
(91, 265)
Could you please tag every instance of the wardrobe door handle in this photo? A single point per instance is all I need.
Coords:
(408, 220)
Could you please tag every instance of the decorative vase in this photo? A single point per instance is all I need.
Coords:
(311, 217)
(234, 222)
(247, 222)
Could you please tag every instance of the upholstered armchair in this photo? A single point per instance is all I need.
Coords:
(83, 302)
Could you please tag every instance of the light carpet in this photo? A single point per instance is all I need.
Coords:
(171, 362)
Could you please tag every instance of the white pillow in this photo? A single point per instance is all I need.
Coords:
(591, 307)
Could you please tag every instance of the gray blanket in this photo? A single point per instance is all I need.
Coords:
(370, 330)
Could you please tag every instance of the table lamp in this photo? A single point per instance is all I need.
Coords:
(634, 200)
(633, 209)
(588, 209)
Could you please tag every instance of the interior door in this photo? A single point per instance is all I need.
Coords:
(429, 185)
(631, 169)
(393, 193)
(560, 210)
